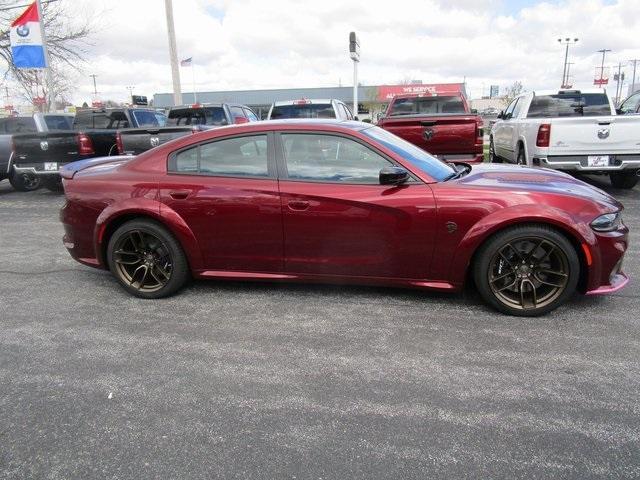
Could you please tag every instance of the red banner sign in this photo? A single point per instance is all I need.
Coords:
(39, 101)
(387, 92)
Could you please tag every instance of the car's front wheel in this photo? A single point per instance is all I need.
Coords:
(24, 182)
(625, 179)
(527, 270)
(147, 259)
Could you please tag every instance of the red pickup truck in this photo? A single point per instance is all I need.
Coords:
(443, 125)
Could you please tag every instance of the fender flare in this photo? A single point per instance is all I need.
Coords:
(579, 232)
(153, 209)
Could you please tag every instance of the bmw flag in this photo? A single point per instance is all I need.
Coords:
(26, 40)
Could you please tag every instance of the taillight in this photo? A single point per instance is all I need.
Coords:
(85, 145)
(544, 134)
(119, 145)
(479, 130)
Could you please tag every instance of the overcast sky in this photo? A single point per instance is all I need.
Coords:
(247, 44)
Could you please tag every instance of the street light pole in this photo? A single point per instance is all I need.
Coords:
(173, 53)
(95, 88)
(354, 53)
(603, 51)
(566, 41)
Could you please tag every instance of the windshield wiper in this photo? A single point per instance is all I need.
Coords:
(458, 173)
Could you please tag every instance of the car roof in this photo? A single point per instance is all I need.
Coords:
(568, 90)
(306, 101)
(296, 123)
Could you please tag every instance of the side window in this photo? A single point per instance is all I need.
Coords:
(236, 112)
(510, 108)
(250, 115)
(631, 104)
(236, 157)
(329, 158)
(518, 107)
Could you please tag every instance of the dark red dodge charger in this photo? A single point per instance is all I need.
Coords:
(340, 202)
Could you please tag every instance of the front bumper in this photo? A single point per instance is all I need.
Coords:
(606, 257)
(618, 282)
(580, 163)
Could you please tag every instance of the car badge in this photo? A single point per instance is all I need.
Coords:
(44, 145)
(603, 133)
(155, 141)
(428, 134)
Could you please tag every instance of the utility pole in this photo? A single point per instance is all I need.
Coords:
(95, 88)
(619, 77)
(173, 53)
(567, 41)
(633, 82)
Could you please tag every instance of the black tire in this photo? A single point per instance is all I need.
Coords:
(521, 159)
(53, 183)
(153, 253)
(493, 158)
(626, 179)
(513, 290)
(24, 182)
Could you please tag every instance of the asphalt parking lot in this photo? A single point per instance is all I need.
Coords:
(262, 381)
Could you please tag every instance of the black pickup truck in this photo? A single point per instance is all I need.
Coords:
(93, 135)
(183, 121)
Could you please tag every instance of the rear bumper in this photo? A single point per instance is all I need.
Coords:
(37, 169)
(579, 162)
(462, 157)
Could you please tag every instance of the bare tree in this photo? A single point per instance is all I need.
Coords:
(512, 92)
(67, 43)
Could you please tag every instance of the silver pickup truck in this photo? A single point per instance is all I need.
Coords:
(38, 123)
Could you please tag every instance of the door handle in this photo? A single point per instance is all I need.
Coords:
(179, 194)
(298, 205)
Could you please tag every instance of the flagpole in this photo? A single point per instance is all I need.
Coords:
(193, 78)
(50, 92)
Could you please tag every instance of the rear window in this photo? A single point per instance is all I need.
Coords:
(20, 125)
(427, 106)
(197, 116)
(58, 122)
(307, 110)
(569, 105)
(146, 118)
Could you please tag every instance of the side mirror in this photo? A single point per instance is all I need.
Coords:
(240, 120)
(356, 118)
(393, 176)
(474, 110)
(501, 115)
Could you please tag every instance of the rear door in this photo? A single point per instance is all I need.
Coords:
(339, 220)
(226, 191)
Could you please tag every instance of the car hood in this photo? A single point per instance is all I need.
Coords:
(516, 178)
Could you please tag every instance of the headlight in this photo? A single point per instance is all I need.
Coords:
(607, 222)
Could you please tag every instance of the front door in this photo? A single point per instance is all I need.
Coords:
(227, 193)
(339, 220)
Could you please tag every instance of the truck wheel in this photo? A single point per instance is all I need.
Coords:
(24, 182)
(53, 183)
(493, 158)
(626, 179)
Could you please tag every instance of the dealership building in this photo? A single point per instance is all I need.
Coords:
(371, 99)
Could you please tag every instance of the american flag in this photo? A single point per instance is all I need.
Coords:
(186, 62)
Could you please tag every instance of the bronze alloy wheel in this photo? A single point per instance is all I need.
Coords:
(142, 261)
(528, 273)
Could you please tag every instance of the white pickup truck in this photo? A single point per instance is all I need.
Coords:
(572, 130)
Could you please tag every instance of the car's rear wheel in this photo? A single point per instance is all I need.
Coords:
(493, 158)
(624, 179)
(147, 259)
(53, 183)
(24, 182)
(527, 271)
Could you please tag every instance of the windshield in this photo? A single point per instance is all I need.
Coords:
(435, 168)
(427, 106)
(569, 105)
(146, 118)
(197, 116)
(307, 110)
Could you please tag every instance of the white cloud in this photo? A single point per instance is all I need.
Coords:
(244, 44)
